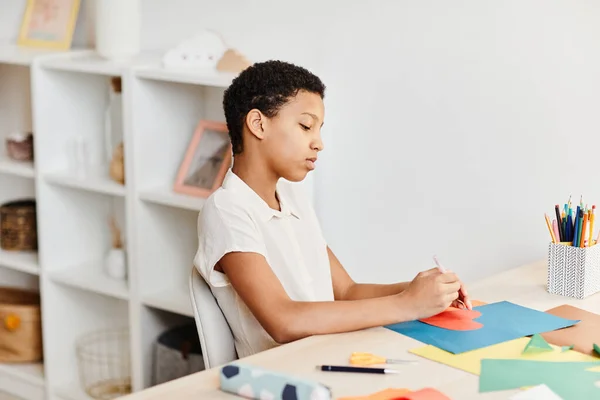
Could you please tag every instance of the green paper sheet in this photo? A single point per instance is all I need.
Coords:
(597, 349)
(569, 380)
(567, 348)
(537, 344)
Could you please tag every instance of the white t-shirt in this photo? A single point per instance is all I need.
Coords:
(235, 219)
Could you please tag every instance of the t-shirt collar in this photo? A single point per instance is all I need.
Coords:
(235, 183)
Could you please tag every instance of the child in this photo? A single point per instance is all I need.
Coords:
(261, 249)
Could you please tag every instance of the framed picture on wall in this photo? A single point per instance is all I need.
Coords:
(206, 160)
(49, 24)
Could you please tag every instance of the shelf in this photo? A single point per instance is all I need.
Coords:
(24, 261)
(63, 94)
(17, 168)
(93, 279)
(173, 300)
(170, 198)
(94, 182)
(71, 391)
(91, 63)
(23, 381)
(191, 76)
(16, 55)
(30, 373)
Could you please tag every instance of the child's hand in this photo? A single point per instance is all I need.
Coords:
(431, 292)
(463, 301)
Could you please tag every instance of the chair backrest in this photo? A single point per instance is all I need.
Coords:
(216, 339)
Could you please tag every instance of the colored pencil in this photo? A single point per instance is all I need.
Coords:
(575, 228)
(555, 229)
(579, 226)
(549, 225)
(574, 225)
(583, 230)
(593, 218)
(559, 223)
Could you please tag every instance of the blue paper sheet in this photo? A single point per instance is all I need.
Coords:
(501, 321)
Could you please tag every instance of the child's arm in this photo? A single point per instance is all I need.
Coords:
(346, 289)
(287, 320)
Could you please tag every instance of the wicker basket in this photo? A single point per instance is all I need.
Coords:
(20, 326)
(18, 225)
(103, 360)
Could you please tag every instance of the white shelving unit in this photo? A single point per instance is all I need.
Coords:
(17, 181)
(62, 97)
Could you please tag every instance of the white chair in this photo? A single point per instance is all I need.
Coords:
(216, 339)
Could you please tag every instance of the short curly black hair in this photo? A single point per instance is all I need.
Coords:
(265, 86)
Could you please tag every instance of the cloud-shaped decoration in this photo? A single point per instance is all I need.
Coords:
(203, 50)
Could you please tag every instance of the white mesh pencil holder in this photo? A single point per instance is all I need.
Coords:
(573, 271)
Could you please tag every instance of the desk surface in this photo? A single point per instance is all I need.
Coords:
(524, 285)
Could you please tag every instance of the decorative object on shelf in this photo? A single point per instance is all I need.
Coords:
(117, 165)
(177, 353)
(20, 326)
(103, 359)
(118, 27)
(79, 156)
(116, 260)
(49, 24)
(18, 225)
(202, 51)
(206, 160)
(19, 146)
(113, 118)
(233, 61)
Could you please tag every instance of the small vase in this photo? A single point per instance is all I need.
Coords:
(20, 146)
(118, 25)
(116, 264)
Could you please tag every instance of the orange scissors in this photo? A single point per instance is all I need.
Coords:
(358, 358)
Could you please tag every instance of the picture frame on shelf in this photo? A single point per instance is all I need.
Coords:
(206, 160)
(49, 24)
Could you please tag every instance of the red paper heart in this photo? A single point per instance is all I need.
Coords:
(455, 319)
(424, 394)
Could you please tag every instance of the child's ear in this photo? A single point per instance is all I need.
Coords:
(255, 120)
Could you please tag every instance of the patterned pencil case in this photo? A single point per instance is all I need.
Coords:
(573, 271)
(256, 383)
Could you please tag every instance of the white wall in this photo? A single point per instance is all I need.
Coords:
(451, 127)
(454, 127)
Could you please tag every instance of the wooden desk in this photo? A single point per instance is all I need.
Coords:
(524, 285)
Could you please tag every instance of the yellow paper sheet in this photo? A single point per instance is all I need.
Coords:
(471, 361)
